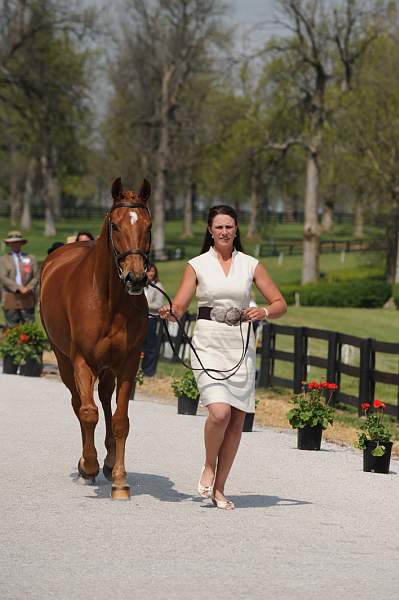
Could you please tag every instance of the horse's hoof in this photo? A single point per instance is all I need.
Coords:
(90, 477)
(120, 493)
(107, 472)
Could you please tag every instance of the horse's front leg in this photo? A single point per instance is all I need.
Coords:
(88, 416)
(106, 388)
(120, 427)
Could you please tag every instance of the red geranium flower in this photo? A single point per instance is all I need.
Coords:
(379, 404)
(24, 338)
(332, 386)
(365, 406)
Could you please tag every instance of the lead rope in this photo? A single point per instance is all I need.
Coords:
(188, 341)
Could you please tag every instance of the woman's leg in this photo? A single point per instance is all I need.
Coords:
(149, 363)
(215, 428)
(228, 451)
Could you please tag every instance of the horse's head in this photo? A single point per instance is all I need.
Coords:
(130, 235)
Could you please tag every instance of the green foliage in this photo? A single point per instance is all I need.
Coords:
(24, 341)
(310, 408)
(356, 293)
(395, 293)
(186, 386)
(374, 429)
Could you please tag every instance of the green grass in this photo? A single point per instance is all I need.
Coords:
(38, 244)
(380, 324)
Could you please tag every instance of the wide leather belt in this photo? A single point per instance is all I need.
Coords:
(230, 315)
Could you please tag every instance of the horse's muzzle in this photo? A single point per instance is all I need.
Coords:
(135, 285)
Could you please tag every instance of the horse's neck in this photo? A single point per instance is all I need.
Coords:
(105, 273)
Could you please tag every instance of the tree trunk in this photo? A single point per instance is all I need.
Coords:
(189, 200)
(328, 217)
(392, 246)
(396, 277)
(26, 218)
(253, 219)
(15, 197)
(358, 225)
(311, 237)
(161, 168)
(48, 192)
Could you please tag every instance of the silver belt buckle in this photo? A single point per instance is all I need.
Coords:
(230, 316)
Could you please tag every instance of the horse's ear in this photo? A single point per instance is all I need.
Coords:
(117, 189)
(145, 190)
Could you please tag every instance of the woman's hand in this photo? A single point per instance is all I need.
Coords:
(254, 313)
(165, 313)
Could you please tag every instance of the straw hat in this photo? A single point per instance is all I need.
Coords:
(15, 236)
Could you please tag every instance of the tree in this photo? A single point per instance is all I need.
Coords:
(166, 46)
(321, 53)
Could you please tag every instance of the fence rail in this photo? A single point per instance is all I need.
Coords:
(300, 358)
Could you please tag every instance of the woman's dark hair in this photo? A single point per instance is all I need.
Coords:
(221, 209)
(87, 233)
(153, 266)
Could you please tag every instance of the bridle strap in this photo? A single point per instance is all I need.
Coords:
(118, 256)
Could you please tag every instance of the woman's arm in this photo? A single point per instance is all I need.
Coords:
(277, 306)
(183, 297)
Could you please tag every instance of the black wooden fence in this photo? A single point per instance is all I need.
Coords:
(300, 358)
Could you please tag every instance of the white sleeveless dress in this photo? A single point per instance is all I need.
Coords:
(220, 346)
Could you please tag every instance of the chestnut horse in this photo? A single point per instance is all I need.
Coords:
(97, 329)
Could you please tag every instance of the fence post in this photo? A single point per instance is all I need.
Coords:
(364, 376)
(332, 363)
(265, 372)
(300, 353)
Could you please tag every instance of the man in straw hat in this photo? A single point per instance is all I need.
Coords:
(19, 276)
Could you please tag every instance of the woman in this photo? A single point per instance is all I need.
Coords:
(155, 300)
(84, 236)
(222, 278)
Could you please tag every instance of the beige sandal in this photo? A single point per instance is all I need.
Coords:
(205, 491)
(224, 504)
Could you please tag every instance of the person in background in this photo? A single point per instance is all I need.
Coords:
(155, 301)
(54, 246)
(84, 236)
(19, 278)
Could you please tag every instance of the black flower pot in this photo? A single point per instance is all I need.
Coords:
(32, 368)
(309, 438)
(131, 397)
(376, 464)
(248, 422)
(186, 406)
(9, 365)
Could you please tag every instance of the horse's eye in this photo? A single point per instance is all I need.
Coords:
(114, 227)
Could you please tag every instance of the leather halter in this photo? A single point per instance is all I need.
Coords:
(120, 256)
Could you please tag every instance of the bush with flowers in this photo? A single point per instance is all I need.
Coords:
(23, 342)
(373, 428)
(311, 408)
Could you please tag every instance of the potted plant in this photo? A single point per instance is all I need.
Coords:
(23, 346)
(186, 391)
(375, 439)
(312, 413)
(139, 379)
(249, 420)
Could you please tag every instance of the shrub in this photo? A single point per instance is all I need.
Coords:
(24, 341)
(357, 293)
(395, 293)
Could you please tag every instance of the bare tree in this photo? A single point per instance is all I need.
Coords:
(317, 35)
(169, 44)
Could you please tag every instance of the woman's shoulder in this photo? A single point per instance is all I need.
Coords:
(199, 260)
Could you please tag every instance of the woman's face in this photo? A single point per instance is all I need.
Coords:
(151, 274)
(223, 230)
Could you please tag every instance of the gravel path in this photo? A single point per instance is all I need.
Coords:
(308, 525)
